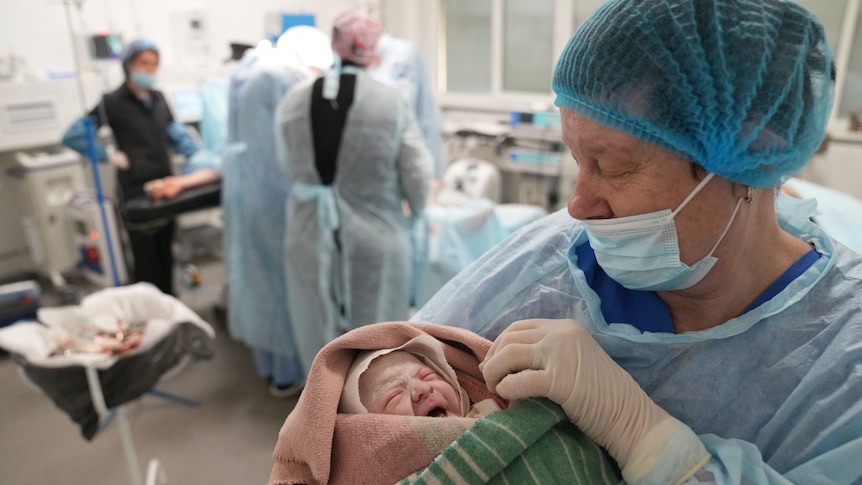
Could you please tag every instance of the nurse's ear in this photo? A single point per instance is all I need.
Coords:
(741, 191)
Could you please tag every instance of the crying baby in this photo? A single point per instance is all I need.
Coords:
(411, 380)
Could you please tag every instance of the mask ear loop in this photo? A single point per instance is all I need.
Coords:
(693, 193)
(749, 197)
(727, 227)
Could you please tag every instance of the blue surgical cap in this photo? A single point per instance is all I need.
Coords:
(135, 47)
(743, 88)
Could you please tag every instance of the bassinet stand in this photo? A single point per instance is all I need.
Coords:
(155, 469)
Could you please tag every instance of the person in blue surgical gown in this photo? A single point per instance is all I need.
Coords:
(255, 194)
(352, 150)
(686, 316)
(400, 65)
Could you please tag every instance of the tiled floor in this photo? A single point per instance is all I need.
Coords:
(227, 439)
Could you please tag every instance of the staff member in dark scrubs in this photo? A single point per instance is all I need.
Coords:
(144, 130)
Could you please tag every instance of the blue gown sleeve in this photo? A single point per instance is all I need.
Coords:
(414, 165)
(181, 141)
(404, 69)
(429, 117)
(75, 138)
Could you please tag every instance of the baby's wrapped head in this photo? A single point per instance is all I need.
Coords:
(413, 380)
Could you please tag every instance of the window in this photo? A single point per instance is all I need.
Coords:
(506, 49)
(849, 64)
(831, 15)
(527, 45)
(584, 8)
(499, 47)
(468, 46)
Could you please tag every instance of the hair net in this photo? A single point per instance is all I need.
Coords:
(355, 35)
(307, 46)
(135, 47)
(743, 88)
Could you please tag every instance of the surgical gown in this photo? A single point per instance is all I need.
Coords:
(348, 248)
(401, 66)
(257, 297)
(231, 203)
(775, 394)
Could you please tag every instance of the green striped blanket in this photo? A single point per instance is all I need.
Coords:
(531, 442)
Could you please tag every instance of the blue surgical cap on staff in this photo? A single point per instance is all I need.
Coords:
(135, 47)
(743, 88)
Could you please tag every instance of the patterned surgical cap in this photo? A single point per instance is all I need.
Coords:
(355, 36)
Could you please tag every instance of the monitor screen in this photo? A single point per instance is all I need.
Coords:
(186, 104)
(106, 46)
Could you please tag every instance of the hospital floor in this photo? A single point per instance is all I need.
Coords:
(228, 438)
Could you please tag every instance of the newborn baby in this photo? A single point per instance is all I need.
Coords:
(411, 380)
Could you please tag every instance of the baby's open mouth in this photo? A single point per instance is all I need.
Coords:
(438, 413)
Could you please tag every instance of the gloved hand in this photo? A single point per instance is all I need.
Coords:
(117, 159)
(560, 360)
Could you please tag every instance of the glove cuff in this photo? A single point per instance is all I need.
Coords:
(670, 452)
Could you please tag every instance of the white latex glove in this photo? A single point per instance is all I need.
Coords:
(560, 360)
(117, 159)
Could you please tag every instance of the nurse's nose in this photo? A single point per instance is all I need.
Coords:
(585, 202)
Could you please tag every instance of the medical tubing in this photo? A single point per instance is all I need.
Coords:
(90, 126)
(80, 83)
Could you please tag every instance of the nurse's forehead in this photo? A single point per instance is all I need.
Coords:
(584, 135)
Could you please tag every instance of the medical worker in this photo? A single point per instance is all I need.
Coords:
(353, 152)
(400, 65)
(255, 199)
(687, 318)
(145, 132)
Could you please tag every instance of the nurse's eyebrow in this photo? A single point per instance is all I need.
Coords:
(623, 149)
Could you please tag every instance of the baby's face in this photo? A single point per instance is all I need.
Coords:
(399, 383)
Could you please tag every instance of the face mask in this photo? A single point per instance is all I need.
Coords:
(144, 80)
(642, 252)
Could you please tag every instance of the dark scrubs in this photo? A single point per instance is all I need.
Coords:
(141, 131)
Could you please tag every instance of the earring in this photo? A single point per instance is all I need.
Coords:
(750, 196)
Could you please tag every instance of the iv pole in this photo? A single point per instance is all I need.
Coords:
(155, 470)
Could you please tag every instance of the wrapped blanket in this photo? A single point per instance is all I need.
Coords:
(316, 445)
(533, 442)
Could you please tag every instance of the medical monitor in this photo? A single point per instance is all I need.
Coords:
(186, 104)
(105, 46)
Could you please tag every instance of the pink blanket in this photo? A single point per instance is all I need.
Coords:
(316, 445)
